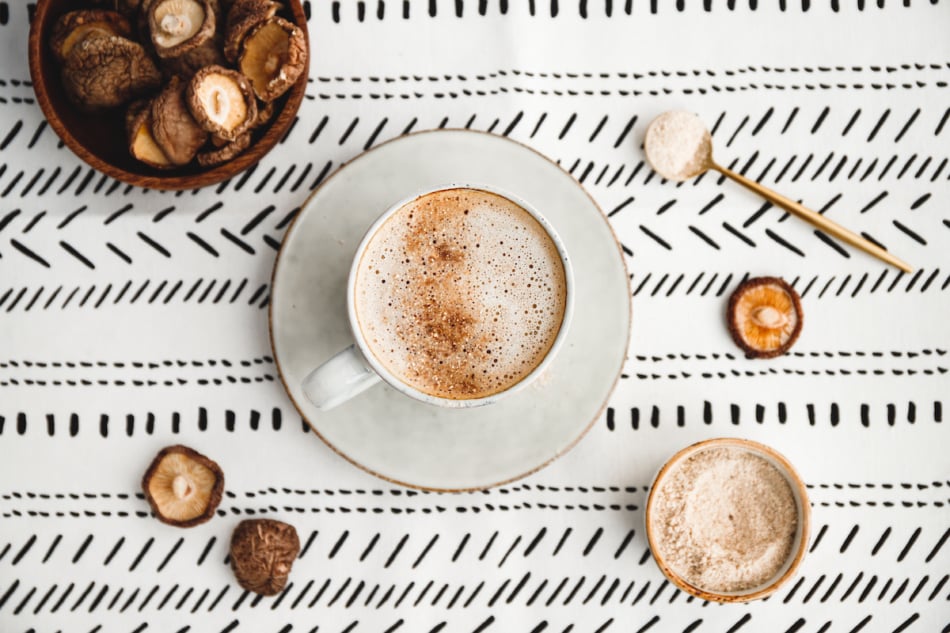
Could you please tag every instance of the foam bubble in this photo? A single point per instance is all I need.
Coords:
(460, 293)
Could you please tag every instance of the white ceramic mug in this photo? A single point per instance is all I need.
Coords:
(356, 369)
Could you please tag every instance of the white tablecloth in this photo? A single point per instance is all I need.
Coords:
(133, 319)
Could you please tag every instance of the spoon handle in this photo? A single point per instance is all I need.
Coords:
(815, 219)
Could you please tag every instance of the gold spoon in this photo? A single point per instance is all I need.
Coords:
(679, 147)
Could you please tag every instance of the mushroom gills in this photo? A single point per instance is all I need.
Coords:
(243, 16)
(765, 316)
(273, 58)
(181, 487)
(223, 102)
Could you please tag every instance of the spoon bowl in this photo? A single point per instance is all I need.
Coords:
(679, 147)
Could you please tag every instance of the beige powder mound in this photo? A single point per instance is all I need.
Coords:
(724, 520)
(677, 144)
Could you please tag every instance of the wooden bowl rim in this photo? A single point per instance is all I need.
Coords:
(272, 136)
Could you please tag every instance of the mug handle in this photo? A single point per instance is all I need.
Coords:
(345, 375)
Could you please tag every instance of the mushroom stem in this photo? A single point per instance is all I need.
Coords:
(180, 27)
(221, 104)
(272, 63)
(175, 24)
(181, 487)
(769, 317)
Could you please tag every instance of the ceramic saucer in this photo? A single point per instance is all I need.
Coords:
(416, 444)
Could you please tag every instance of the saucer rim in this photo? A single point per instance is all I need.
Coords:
(280, 373)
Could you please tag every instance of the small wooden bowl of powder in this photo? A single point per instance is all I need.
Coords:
(728, 520)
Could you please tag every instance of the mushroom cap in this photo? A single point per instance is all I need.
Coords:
(142, 145)
(193, 60)
(128, 8)
(265, 112)
(107, 71)
(224, 153)
(273, 57)
(242, 17)
(142, 20)
(222, 101)
(174, 128)
(178, 26)
(182, 486)
(262, 554)
(132, 113)
(765, 317)
(75, 26)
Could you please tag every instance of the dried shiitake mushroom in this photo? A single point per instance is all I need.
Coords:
(265, 113)
(128, 8)
(194, 60)
(107, 71)
(242, 17)
(174, 128)
(224, 150)
(184, 34)
(262, 553)
(765, 317)
(179, 26)
(273, 57)
(142, 145)
(132, 113)
(205, 110)
(222, 101)
(183, 486)
(141, 23)
(75, 26)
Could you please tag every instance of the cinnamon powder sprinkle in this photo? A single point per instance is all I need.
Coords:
(724, 520)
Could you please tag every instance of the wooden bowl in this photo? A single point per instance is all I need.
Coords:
(802, 531)
(100, 139)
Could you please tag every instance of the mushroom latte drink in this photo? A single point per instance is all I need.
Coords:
(460, 293)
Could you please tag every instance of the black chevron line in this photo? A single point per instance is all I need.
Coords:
(238, 241)
(907, 231)
(151, 242)
(75, 253)
(779, 239)
(203, 244)
(656, 238)
(29, 253)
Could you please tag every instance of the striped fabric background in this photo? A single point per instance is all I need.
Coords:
(134, 319)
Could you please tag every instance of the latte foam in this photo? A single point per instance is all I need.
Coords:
(460, 293)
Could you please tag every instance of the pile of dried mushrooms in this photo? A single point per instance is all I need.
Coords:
(197, 76)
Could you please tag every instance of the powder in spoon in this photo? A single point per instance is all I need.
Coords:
(724, 520)
(677, 145)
